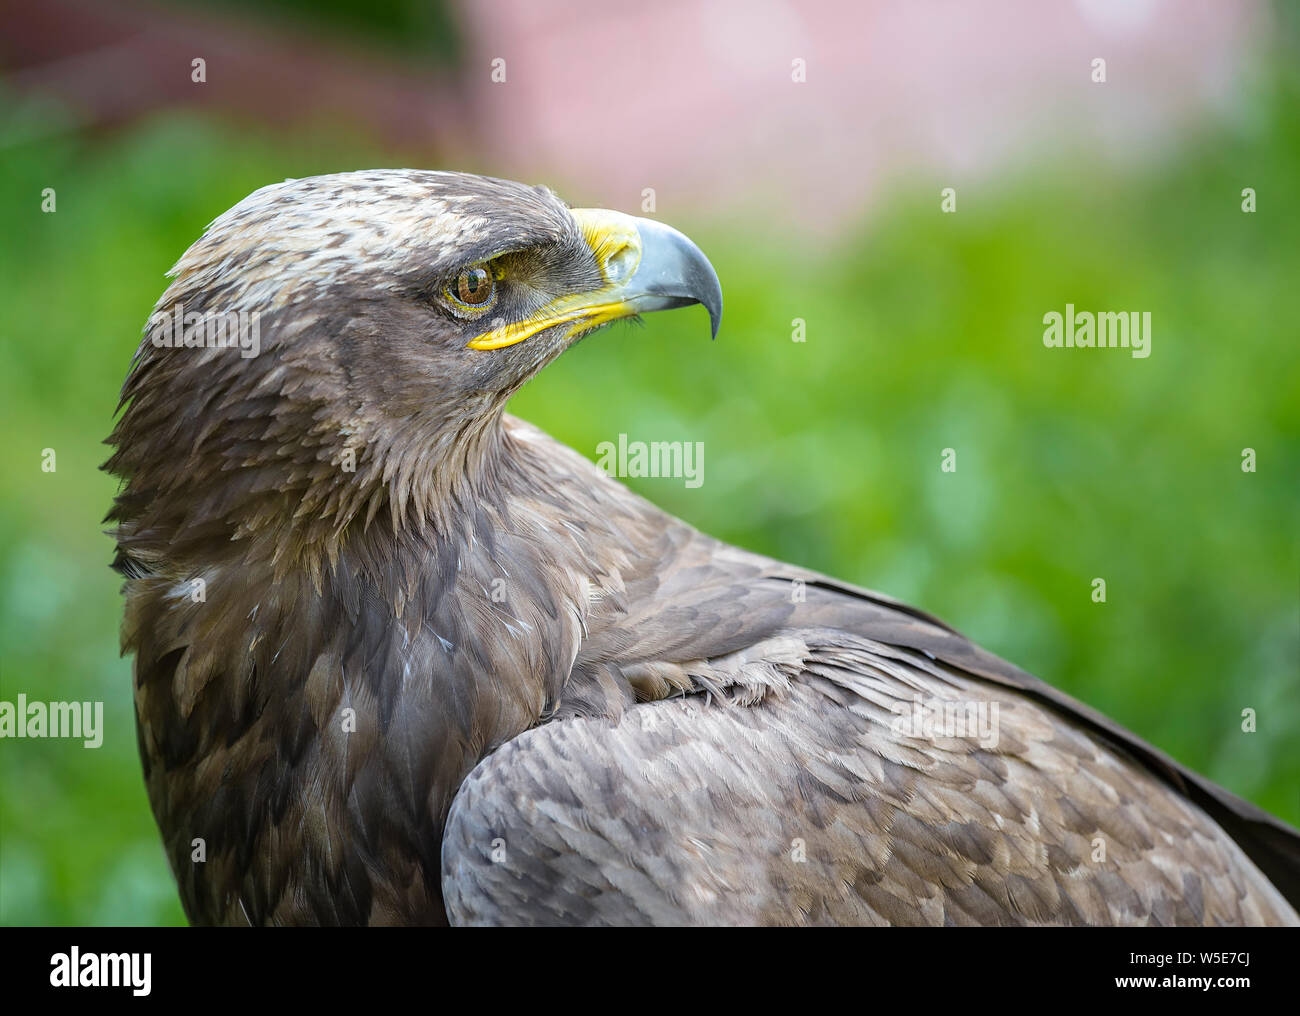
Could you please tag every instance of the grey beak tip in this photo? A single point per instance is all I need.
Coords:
(709, 293)
(675, 272)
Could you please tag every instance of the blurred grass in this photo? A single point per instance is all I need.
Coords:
(428, 28)
(923, 332)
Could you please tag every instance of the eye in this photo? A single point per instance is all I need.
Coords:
(473, 289)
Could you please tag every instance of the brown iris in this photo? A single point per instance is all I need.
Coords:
(474, 287)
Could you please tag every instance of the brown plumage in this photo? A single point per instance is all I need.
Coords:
(439, 667)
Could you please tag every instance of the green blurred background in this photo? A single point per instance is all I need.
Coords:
(923, 332)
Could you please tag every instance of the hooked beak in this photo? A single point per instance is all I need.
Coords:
(645, 266)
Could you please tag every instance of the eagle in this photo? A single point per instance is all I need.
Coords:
(402, 658)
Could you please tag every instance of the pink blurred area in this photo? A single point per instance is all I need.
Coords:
(693, 98)
(697, 100)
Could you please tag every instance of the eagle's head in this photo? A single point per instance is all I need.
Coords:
(338, 344)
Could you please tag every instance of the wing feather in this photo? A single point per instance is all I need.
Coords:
(726, 712)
